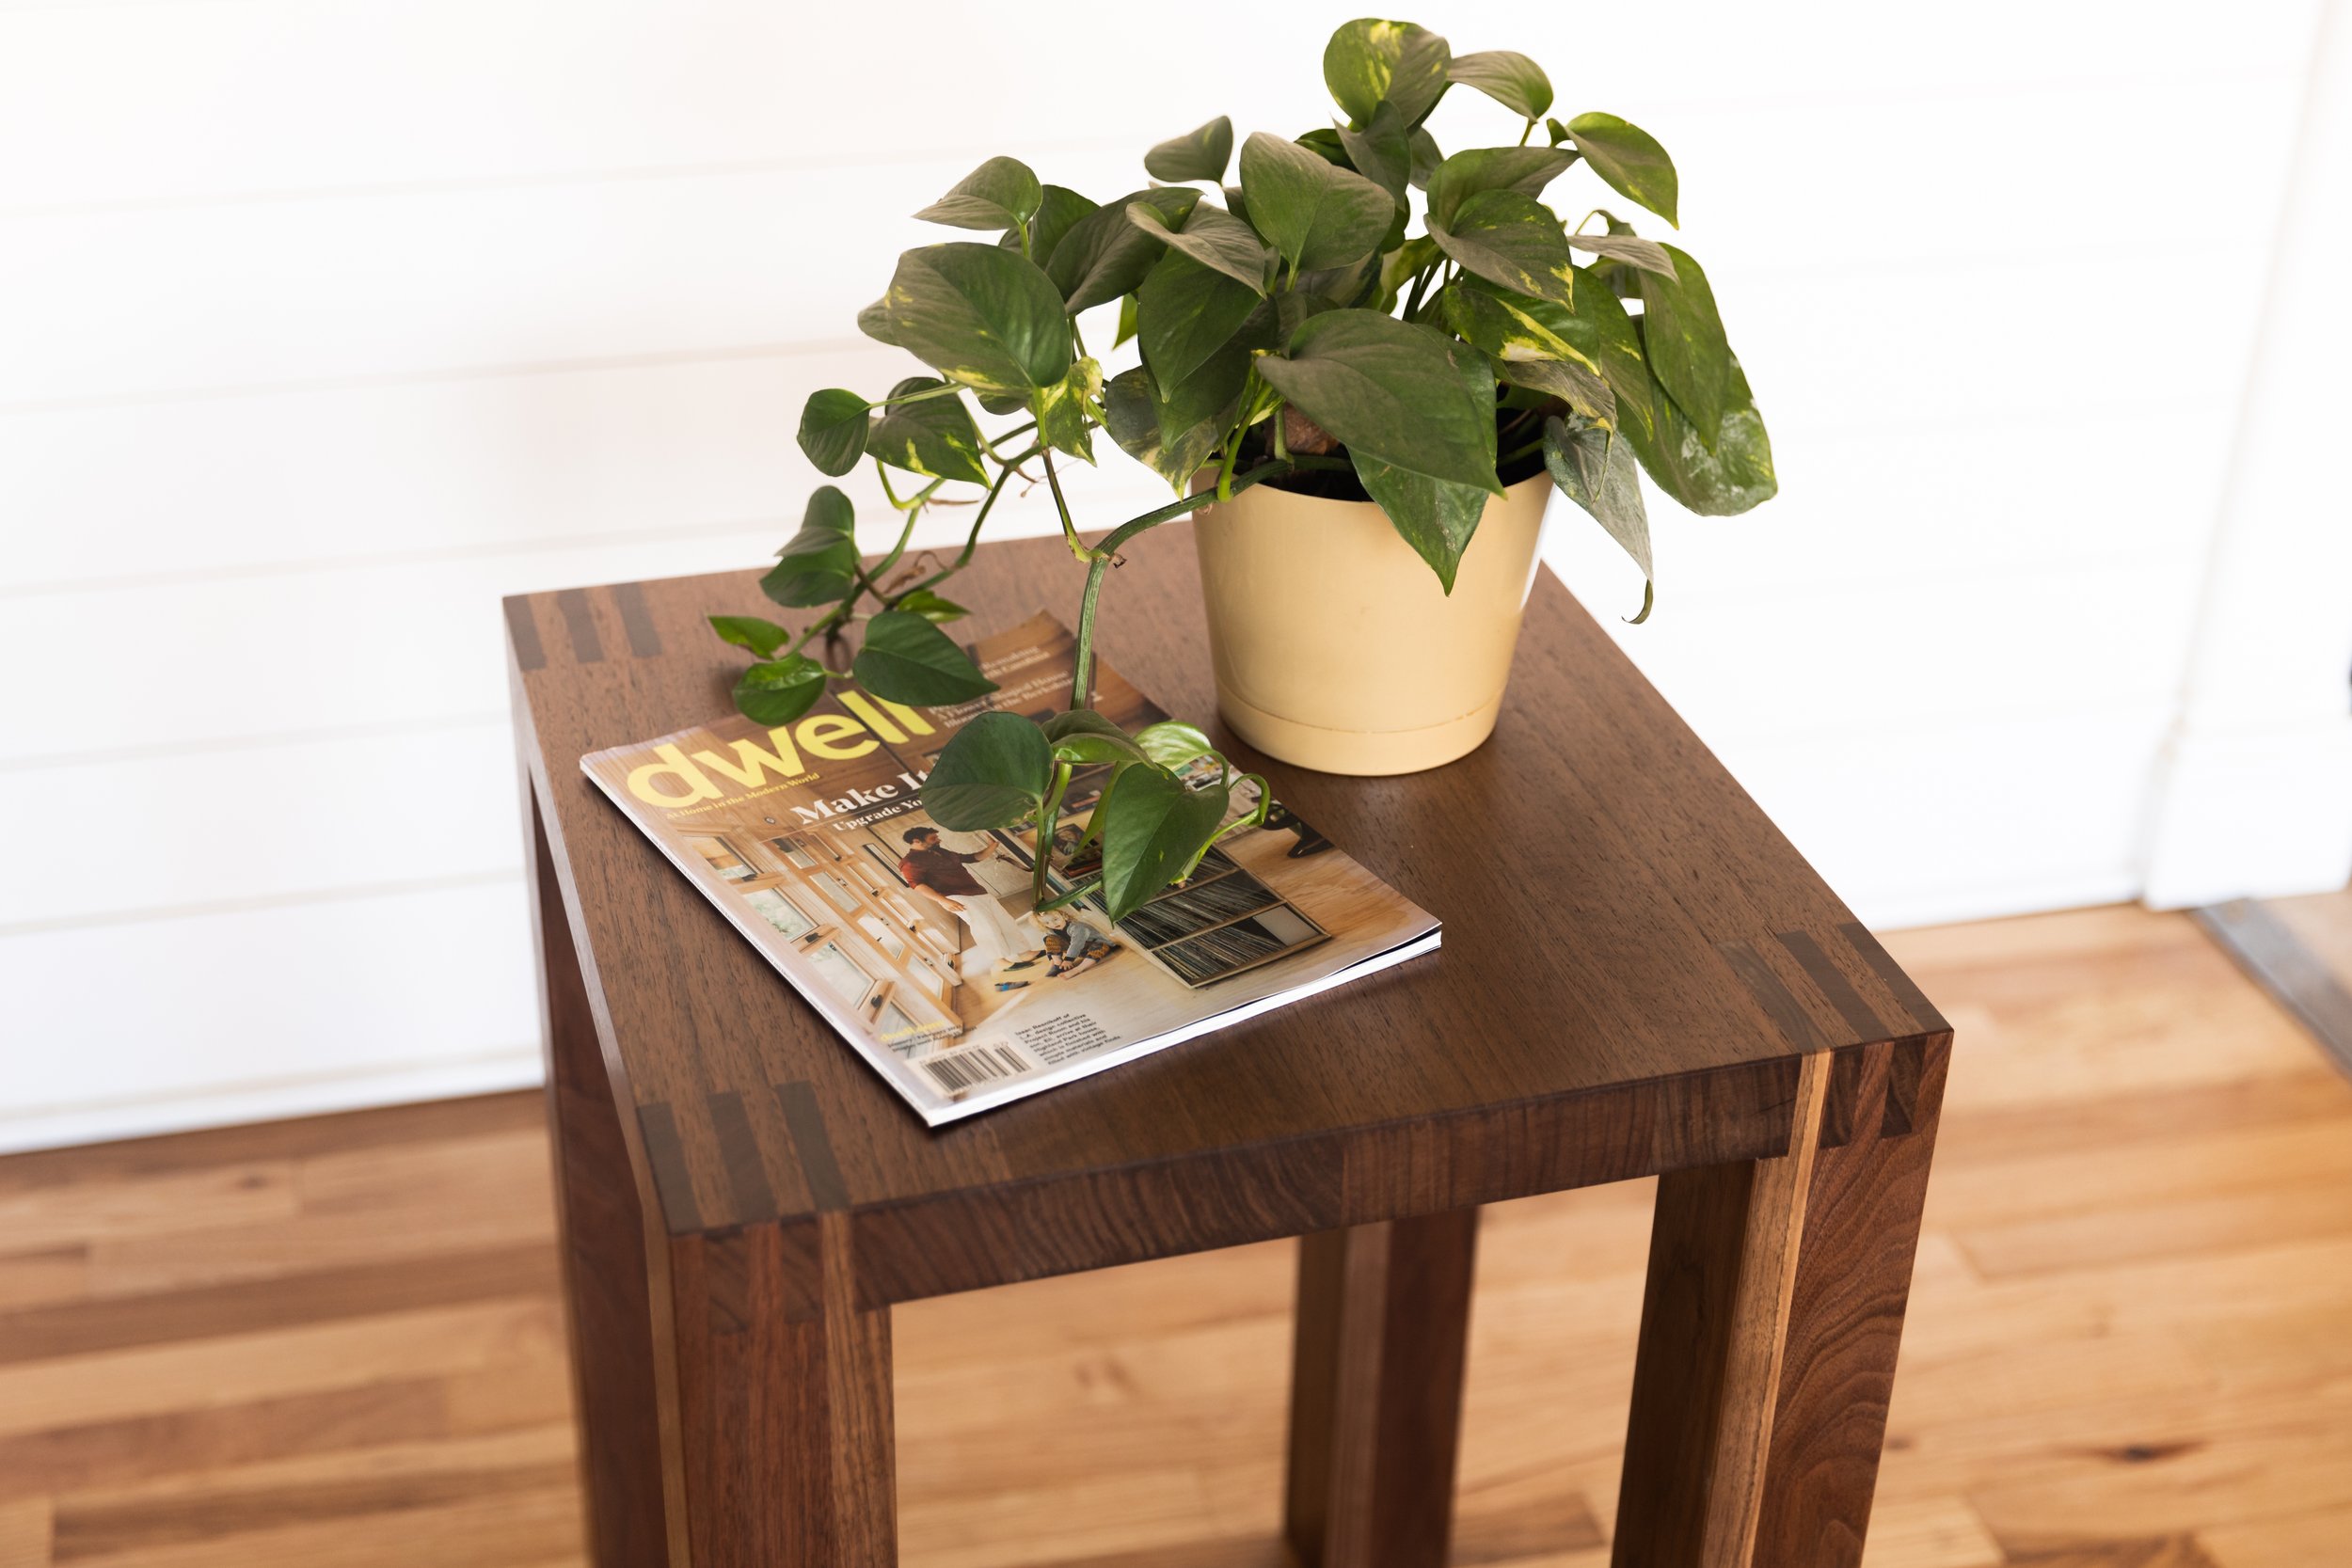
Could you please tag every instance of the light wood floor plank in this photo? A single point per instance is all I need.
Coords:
(236, 1369)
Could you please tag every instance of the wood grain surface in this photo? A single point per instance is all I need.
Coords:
(1376, 1390)
(1723, 1267)
(1642, 976)
(1635, 961)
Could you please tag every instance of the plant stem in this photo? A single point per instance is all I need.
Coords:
(945, 389)
(1225, 470)
(913, 504)
(1072, 895)
(897, 550)
(1048, 818)
(1069, 525)
(972, 540)
(1082, 669)
(1421, 282)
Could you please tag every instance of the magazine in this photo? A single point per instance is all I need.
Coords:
(920, 946)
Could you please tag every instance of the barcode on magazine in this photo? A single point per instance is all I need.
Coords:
(975, 1066)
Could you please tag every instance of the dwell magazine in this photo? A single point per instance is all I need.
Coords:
(920, 945)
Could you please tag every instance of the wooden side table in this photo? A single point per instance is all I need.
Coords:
(1640, 976)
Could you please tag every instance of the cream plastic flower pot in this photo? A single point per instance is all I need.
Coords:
(1334, 645)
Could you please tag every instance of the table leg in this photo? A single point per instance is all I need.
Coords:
(1376, 1391)
(601, 1237)
(1769, 1335)
(785, 1427)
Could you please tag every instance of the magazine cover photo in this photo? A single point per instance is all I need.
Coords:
(921, 946)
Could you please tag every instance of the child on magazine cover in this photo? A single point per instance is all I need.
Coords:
(1073, 947)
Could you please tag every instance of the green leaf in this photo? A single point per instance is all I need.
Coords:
(1629, 159)
(1184, 313)
(1403, 394)
(1630, 249)
(1564, 379)
(1061, 212)
(1532, 344)
(1436, 517)
(1426, 158)
(1293, 307)
(1512, 80)
(907, 660)
(1172, 430)
(1104, 255)
(991, 773)
(1513, 240)
(1682, 338)
(1325, 143)
(1382, 152)
(833, 430)
(1370, 60)
(1211, 236)
(1083, 736)
(1152, 828)
(936, 437)
(749, 631)
(1524, 169)
(1061, 410)
(1600, 329)
(1002, 193)
(1127, 324)
(1211, 392)
(820, 564)
(779, 692)
(1172, 743)
(1600, 474)
(1201, 153)
(1557, 132)
(1512, 325)
(930, 606)
(978, 314)
(1130, 412)
(1717, 478)
(1398, 267)
(1314, 214)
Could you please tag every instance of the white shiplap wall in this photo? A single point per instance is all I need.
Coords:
(323, 324)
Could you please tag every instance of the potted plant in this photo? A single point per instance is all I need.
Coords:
(1346, 402)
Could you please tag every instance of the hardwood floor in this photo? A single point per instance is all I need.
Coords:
(334, 1343)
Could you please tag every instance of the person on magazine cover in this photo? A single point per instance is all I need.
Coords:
(1072, 946)
(939, 874)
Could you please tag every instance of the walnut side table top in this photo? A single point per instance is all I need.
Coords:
(1640, 976)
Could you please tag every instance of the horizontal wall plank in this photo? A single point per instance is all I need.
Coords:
(268, 1000)
(260, 822)
(148, 301)
(95, 107)
(1923, 819)
(372, 644)
(1862, 657)
(481, 465)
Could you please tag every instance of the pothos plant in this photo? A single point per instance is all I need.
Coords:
(1291, 329)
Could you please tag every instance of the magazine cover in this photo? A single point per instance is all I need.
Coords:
(920, 945)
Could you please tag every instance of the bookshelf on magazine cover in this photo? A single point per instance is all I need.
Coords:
(920, 946)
